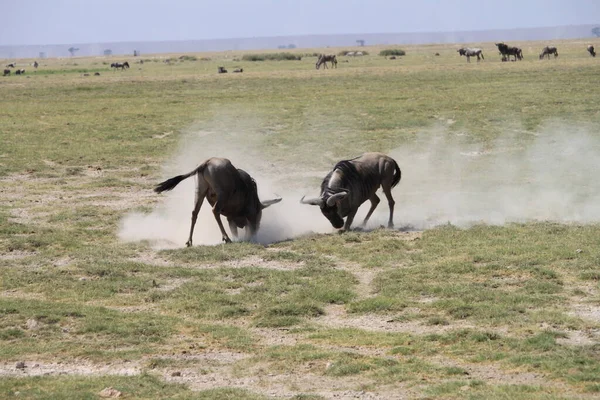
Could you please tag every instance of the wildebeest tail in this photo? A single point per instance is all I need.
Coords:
(397, 175)
(169, 184)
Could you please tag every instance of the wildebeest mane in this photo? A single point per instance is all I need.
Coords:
(349, 174)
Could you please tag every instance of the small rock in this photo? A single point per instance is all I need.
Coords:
(32, 324)
(83, 278)
(110, 392)
(176, 373)
(578, 251)
(20, 365)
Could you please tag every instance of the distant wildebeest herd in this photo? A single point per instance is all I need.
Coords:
(507, 52)
(233, 193)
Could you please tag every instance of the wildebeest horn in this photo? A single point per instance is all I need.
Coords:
(331, 200)
(317, 201)
(268, 203)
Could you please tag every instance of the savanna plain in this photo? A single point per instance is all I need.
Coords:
(488, 287)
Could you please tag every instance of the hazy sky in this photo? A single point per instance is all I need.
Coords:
(84, 21)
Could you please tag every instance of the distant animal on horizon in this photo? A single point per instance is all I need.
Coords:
(590, 50)
(230, 191)
(471, 52)
(351, 183)
(6, 72)
(323, 59)
(546, 51)
(506, 50)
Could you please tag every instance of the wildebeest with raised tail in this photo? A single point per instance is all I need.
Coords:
(230, 191)
(323, 59)
(471, 52)
(351, 183)
(546, 51)
(590, 50)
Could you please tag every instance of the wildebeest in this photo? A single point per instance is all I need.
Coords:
(546, 51)
(96, 73)
(230, 191)
(324, 58)
(221, 70)
(238, 70)
(590, 50)
(471, 52)
(10, 65)
(506, 50)
(20, 72)
(351, 183)
(6, 72)
(118, 65)
(35, 64)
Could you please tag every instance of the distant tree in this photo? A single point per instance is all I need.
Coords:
(596, 31)
(108, 52)
(73, 50)
(360, 42)
(291, 46)
(281, 46)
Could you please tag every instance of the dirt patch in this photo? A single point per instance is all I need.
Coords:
(78, 367)
(256, 261)
(336, 317)
(16, 255)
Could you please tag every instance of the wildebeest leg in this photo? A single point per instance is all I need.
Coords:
(387, 190)
(349, 221)
(374, 202)
(200, 193)
(233, 228)
(217, 208)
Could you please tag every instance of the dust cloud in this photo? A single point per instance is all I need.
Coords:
(521, 176)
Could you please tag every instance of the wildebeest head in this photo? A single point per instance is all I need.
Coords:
(329, 203)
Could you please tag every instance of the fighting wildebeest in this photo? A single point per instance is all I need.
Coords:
(351, 183)
(230, 191)
(506, 50)
(471, 52)
(324, 58)
(6, 72)
(590, 50)
(546, 51)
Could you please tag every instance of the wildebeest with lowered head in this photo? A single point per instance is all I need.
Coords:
(351, 183)
(6, 72)
(546, 51)
(230, 191)
(324, 58)
(590, 50)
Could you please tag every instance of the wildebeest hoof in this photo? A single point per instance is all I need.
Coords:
(390, 226)
(226, 239)
(188, 243)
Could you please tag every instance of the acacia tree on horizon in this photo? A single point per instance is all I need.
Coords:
(73, 50)
(596, 31)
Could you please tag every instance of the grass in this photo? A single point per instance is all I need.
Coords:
(451, 313)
